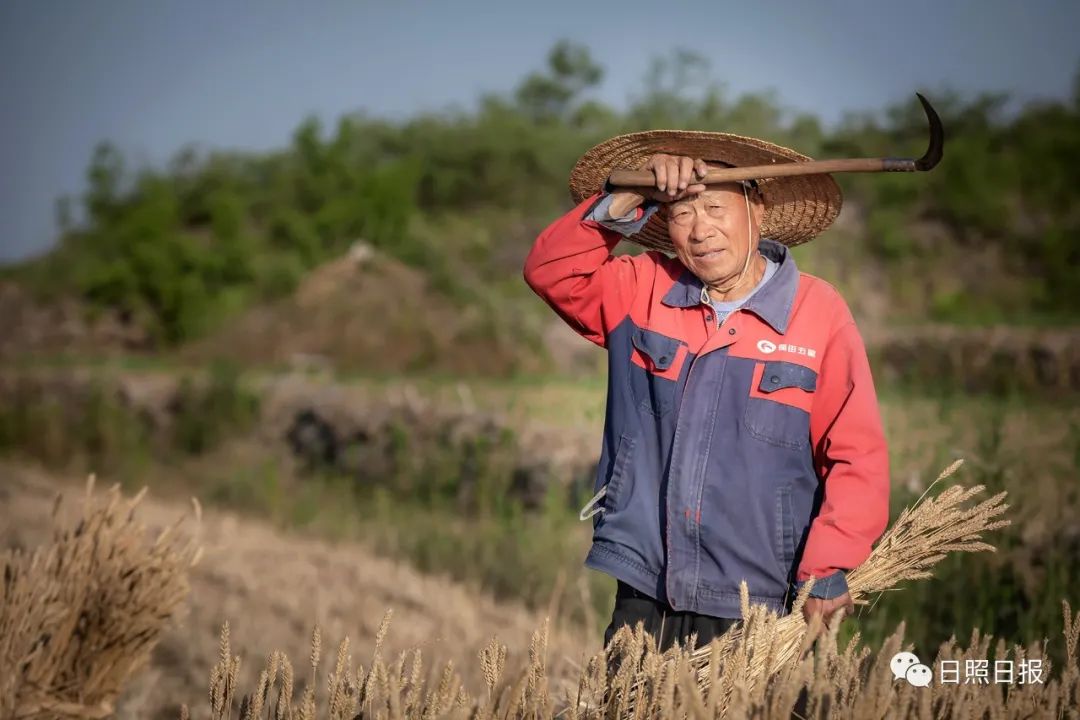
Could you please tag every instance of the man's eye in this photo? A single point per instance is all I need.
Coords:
(714, 207)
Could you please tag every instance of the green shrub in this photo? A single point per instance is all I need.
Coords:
(164, 247)
(211, 410)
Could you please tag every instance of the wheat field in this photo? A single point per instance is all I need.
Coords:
(822, 680)
(82, 613)
(767, 666)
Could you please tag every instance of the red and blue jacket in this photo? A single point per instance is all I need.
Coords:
(750, 451)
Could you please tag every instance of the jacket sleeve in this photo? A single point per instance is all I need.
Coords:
(852, 460)
(571, 267)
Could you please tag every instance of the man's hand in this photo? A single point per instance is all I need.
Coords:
(826, 608)
(676, 177)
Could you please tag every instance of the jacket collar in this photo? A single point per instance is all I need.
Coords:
(772, 303)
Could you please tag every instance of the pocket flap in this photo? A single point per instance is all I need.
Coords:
(661, 349)
(780, 374)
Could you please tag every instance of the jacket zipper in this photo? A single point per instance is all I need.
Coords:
(689, 376)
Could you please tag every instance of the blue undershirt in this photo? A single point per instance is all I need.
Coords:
(723, 309)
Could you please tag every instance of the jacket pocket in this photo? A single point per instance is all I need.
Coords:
(653, 386)
(778, 408)
(785, 540)
(614, 499)
(608, 496)
(778, 374)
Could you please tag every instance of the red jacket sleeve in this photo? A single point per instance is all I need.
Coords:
(571, 267)
(852, 460)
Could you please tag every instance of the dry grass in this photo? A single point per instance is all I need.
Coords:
(767, 666)
(80, 614)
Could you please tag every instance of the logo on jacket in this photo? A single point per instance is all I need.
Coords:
(769, 348)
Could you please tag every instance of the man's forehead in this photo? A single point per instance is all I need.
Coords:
(723, 193)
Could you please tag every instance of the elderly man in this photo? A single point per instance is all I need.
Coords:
(742, 440)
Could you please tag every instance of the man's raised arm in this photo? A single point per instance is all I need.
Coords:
(571, 267)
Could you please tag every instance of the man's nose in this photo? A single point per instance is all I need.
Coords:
(701, 230)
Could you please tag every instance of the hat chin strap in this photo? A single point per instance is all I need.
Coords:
(749, 233)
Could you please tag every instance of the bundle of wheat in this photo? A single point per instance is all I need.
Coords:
(80, 615)
(765, 643)
(833, 683)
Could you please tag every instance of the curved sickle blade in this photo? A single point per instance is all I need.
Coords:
(932, 156)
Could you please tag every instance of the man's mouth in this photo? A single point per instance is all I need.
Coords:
(709, 255)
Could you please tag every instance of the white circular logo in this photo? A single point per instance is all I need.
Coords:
(766, 347)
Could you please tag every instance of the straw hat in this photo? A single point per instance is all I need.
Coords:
(796, 208)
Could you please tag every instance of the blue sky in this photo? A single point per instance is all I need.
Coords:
(152, 76)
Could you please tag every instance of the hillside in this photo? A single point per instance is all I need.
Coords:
(364, 311)
(368, 313)
(161, 257)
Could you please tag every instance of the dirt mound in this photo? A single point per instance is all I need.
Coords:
(366, 312)
(272, 588)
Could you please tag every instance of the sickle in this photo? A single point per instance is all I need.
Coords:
(932, 156)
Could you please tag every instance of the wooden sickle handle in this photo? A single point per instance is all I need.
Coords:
(645, 178)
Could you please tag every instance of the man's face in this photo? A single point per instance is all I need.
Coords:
(710, 231)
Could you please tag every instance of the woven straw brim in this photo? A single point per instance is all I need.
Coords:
(796, 208)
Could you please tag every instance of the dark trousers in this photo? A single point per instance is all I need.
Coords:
(667, 626)
(661, 621)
